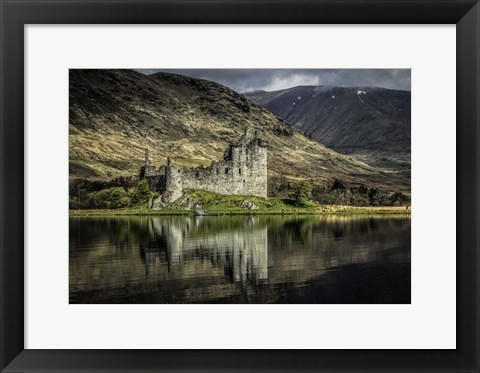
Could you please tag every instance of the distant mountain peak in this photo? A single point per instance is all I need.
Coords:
(370, 122)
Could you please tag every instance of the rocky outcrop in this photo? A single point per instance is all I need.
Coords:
(249, 205)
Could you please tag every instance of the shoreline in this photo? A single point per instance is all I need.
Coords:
(324, 210)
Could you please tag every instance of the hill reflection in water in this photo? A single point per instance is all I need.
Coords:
(240, 259)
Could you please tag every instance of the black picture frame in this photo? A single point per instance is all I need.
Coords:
(17, 13)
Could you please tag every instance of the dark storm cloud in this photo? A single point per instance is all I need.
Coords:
(245, 80)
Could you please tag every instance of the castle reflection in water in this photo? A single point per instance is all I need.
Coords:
(238, 259)
(244, 257)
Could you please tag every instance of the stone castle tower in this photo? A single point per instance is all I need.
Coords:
(243, 171)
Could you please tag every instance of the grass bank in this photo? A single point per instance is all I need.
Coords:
(216, 204)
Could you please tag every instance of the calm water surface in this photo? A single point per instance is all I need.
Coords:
(240, 259)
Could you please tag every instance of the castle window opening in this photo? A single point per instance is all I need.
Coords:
(239, 171)
(226, 170)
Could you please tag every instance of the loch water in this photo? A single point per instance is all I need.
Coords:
(240, 259)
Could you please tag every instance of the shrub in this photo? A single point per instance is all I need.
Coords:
(112, 198)
(82, 201)
(300, 192)
(338, 194)
(399, 199)
(338, 184)
(141, 193)
(362, 189)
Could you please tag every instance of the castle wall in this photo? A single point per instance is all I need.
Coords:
(156, 177)
(242, 172)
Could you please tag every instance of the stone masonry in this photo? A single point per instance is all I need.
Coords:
(243, 171)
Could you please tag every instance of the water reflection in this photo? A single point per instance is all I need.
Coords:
(240, 259)
(244, 257)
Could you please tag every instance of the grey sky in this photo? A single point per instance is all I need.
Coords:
(244, 80)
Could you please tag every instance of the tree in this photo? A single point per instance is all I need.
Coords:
(362, 189)
(338, 184)
(300, 192)
(141, 193)
(399, 199)
(372, 195)
(112, 198)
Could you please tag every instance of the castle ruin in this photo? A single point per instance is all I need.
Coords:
(243, 171)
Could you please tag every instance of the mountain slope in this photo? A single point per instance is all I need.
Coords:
(116, 114)
(373, 123)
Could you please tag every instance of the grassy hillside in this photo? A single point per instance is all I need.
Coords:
(116, 114)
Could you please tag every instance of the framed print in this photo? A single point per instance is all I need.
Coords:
(239, 186)
(231, 197)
